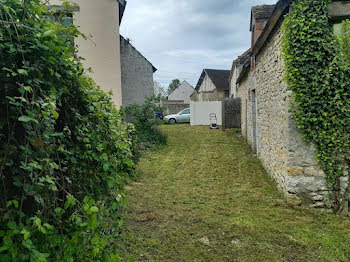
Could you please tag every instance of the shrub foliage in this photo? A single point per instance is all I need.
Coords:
(65, 151)
(144, 119)
(318, 73)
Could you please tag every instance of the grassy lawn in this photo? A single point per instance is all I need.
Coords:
(204, 197)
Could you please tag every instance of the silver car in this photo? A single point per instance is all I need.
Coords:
(181, 117)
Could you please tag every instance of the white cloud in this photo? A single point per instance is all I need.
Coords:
(182, 37)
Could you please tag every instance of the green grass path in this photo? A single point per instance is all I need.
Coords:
(204, 197)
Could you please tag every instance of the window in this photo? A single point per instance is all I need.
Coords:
(227, 93)
(186, 112)
(63, 19)
(63, 14)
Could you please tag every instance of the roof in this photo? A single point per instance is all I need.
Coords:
(261, 12)
(128, 42)
(244, 71)
(122, 5)
(280, 9)
(187, 83)
(337, 9)
(241, 60)
(277, 12)
(220, 78)
(181, 85)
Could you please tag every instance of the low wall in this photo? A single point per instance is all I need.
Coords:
(174, 106)
(200, 112)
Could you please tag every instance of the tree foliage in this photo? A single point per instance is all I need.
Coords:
(173, 85)
(318, 73)
(65, 152)
(159, 91)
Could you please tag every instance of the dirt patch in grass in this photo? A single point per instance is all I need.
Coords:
(204, 197)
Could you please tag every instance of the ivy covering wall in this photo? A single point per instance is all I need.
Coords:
(65, 151)
(318, 73)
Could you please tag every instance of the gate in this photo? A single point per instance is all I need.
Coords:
(231, 113)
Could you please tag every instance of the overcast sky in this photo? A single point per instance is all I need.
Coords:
(181, 37)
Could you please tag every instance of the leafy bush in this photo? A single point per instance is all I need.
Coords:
(145, 122)
(65, 151)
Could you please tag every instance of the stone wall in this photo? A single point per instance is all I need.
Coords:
(233, 87)
(243, 93)
(278, 143)
(137, 75)
(173, 106)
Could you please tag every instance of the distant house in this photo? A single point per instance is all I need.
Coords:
(239, 68)
(137, 74)
(213, 85)
(99, 21)
(183, 92)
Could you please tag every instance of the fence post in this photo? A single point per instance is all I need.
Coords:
(223, 115)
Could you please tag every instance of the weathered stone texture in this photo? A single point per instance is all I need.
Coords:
(174, 106)
(246, 113)
(137, 75)
(278, 142)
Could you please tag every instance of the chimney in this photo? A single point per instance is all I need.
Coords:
(259, 16)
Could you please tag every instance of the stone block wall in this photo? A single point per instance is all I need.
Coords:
(246, 113)
(278, 143)
(137, 75)
(174, 107)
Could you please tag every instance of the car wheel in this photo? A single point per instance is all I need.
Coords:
(172, 121)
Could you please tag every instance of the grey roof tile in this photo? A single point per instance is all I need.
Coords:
(262, 11)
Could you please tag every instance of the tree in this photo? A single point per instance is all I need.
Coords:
(159, 91)
(173, 85)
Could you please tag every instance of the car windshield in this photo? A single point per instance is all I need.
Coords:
(185, 112)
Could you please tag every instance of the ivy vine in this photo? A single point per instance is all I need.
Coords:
(318, 73)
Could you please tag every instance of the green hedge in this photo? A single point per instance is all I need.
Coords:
(145, 122)
(65, 151)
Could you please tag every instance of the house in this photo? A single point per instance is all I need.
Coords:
(99, 21)
(257, 77)
(136, 74)
(260, 14)
(179, 99)
(258, 19)
(213, 85)
(239, 66)
(182, 93)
